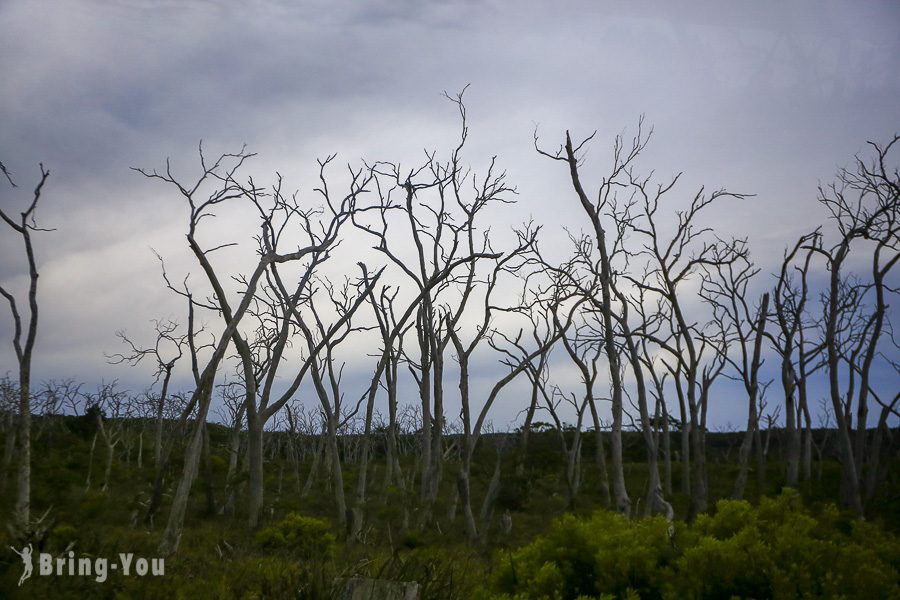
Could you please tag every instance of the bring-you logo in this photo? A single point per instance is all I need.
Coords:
(98, 567)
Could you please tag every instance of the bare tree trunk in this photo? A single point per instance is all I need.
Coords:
(600, 458)
(788, 382)
(362, 478)
(23, 490)
(749, 372)
(685, 443)
(850, 492)
(234, 453)
(425, 397)
(490, 499)
(699, 493)
(667, 449)
(391, 466)
(803, 405)
(207, 473)
(744, 452)
(87, 483)
(314, 467)
(876, 470)
(807, 445)
(110, 452)
(877, 224)
(22, 511)
(160, 412)
(9, 448)
(760, 461)
(340, 503)
(465, 499)
(437, 434)
(255, 468)
(172, 534)
(526, 430)
(620, 493)
(656, 503)
(175, 525)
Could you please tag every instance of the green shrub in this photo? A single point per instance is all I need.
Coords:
(62, 535)
(441, 572)
(781, 551)
(604, 554)
(260, 578)
(306, 537)
(410, 539)
(777, 550)
(514, 493)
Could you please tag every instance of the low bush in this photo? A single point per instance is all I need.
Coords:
(305, 537)
(778, 550)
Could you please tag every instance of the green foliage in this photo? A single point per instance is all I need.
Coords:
(604, 554)
(410, 539)
(777, 550)
(253, 578)
(306, 537)
(440, 572)
(514, 493)
(62, 535)
(780, 551)
(218, 463)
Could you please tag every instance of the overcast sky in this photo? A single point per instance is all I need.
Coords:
(767, 98)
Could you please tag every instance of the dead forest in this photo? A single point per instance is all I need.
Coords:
(348, 353)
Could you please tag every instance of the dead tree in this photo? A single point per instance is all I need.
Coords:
(322, 341)
(603, 268)
(877, 469)
(386, 367)
(9, 402)
(539, 313)
(110, 407)
(315, 430)
(509, 264)
(176, 409)
(643, 359)
(232, 414)
(790, 298)
(671, 261)
(276, 305)
(293, 453)
(24, 335)
(771, 420)
(630, 205)
(629, 337)
(53, 398)
(632, 342)
(571, 448)
(423, 229)
(570, 436)
(276, 213)
(392, 338)
(392, 334)
(725, 288)
(864, 204)
(168, 349)
(562, 307)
